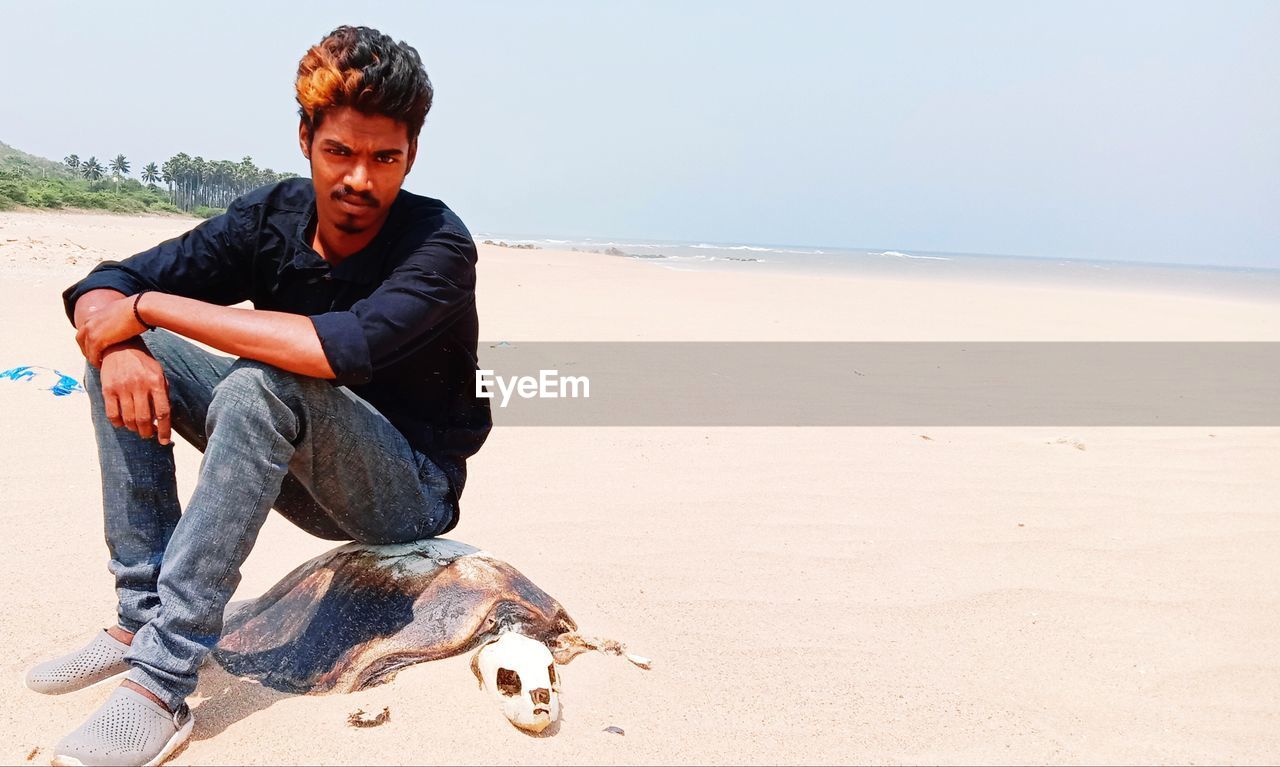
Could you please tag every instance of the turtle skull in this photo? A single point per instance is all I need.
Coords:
(520, 674)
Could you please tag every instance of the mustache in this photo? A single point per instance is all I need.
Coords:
(352, 196)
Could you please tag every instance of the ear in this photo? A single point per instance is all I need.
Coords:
(413, 155)
(304, 139)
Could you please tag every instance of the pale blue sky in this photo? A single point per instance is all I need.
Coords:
(1144, 131)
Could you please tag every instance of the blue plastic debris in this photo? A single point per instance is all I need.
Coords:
(60, 383)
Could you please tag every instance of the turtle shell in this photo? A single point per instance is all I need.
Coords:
(354, 616)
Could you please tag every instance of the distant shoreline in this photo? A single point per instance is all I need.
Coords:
(603, 245)
(1253, 284)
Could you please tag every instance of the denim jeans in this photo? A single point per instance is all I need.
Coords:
(324, 458)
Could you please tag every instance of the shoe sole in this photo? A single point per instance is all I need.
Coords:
(177, 741)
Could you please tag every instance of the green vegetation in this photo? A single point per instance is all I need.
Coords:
(192, 184)
(13, 159)
(198, 183)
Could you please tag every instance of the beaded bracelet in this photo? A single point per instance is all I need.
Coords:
(138, 315)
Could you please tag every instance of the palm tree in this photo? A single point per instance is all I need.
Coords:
(225, 178)
(91, 170)
(168, 174)
(248, 175)
(199, 170)
(179, 176)
(72, 161)
(119, 168)
(150, 174)
(195, 181)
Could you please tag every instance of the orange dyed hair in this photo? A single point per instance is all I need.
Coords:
(362, 68)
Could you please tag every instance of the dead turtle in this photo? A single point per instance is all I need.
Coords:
(352, 617)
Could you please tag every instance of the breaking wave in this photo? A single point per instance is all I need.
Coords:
(897, 254)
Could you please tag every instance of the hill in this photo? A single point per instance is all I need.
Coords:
(36, 182)
(16, 159)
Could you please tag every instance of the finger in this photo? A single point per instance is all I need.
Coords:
(143, 416)
(98, 350)
(112, 406)
(160, 406)
(126, 412)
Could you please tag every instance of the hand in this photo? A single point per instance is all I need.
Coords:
(135, 392)
(106, 327)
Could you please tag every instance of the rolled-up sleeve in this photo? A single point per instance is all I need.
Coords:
(417, 301)
(342, 337)
(207, 263)
(108, 274)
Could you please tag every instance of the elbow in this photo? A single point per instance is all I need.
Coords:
(340, 349)
(311, 359)
(322, 369)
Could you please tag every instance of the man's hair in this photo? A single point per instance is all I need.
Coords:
(362, 68)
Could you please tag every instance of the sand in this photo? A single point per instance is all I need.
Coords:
(808, 595)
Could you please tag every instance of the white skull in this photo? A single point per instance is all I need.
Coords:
(520, 674)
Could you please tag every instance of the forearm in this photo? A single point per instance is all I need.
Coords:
(287, 341)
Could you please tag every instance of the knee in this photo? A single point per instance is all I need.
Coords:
(253, 390)
(166, 347)
(248, 377)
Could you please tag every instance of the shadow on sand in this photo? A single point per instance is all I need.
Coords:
(228, 699)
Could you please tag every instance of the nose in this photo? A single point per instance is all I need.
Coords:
(541, 695)
(358, 178)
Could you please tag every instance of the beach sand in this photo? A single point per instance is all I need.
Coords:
(807, 595)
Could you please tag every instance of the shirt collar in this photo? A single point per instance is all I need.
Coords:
(364, 267)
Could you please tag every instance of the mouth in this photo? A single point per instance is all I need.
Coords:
(541, 710)
(354, 206)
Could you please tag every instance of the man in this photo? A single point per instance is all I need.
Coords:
(349, 405)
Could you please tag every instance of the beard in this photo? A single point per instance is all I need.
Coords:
(349, 223)
(350, 226)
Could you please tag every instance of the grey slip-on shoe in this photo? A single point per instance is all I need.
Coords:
(98, 661)
(129, 729)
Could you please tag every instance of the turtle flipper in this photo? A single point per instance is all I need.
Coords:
(571, 644)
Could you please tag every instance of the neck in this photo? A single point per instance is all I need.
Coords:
(335, 245)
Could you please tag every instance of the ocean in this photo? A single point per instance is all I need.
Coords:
(1250, 283)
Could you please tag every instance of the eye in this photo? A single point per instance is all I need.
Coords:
(387, 159)
(508, 682)
(551, 673)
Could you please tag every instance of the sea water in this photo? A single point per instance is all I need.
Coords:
(1252, 283)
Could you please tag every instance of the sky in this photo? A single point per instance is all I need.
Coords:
(1139, 131)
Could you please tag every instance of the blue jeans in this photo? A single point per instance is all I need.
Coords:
(323, 457)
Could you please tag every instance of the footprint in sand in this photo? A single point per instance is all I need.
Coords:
(1077, 444)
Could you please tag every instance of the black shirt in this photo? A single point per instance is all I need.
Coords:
(397, 321)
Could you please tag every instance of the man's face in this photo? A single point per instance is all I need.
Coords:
(358, 162)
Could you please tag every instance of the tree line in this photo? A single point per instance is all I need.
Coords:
(192, 182)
